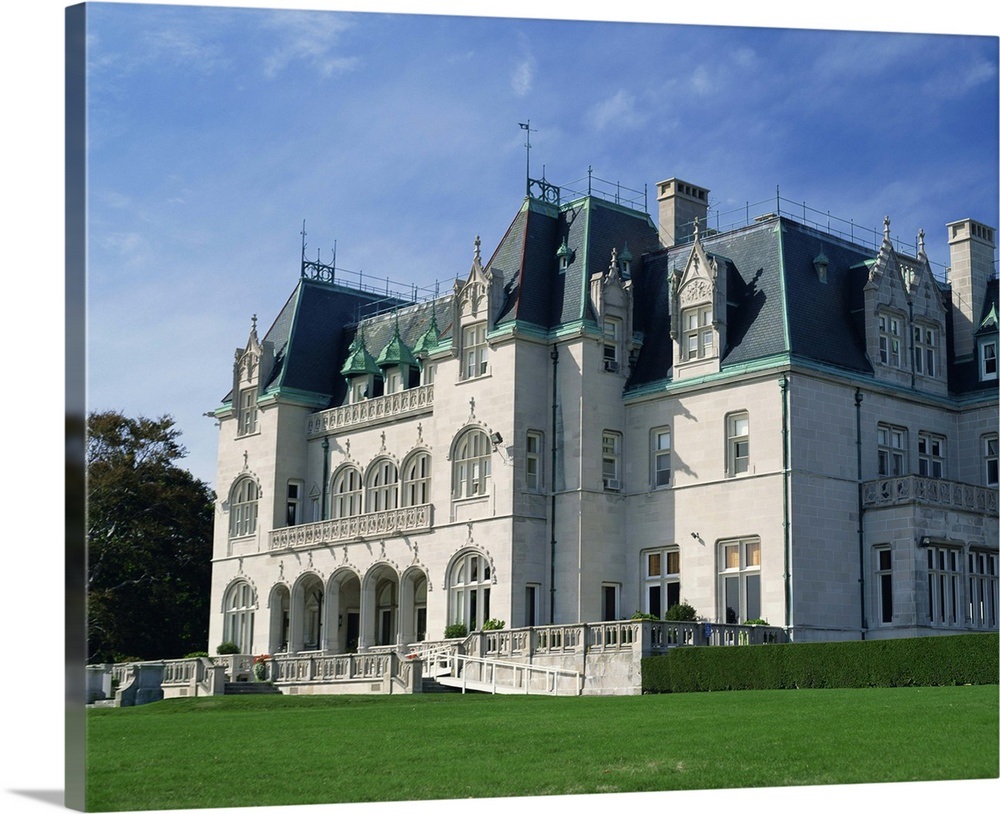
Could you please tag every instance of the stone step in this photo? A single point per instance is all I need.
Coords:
(250, 688)
(430, 685)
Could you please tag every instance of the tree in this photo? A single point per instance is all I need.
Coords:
(149, 534)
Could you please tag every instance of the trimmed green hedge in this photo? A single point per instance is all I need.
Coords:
(971, 658)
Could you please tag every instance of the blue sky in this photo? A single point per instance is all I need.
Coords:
(214, 132)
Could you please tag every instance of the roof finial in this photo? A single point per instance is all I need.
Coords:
(696, 229)
(885, 227)
(477, 257)
(253, 323)
(920, 242)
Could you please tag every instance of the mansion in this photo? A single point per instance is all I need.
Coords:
(608, 416)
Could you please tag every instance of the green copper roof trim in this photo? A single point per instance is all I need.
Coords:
(428, 339)
(666, 386)
(989, 321)
(396, 352)
(359, 360)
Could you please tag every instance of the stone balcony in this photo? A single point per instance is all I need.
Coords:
(369, 412)
(877, 494)
(348, 529)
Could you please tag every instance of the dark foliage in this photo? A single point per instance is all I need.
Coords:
(149, 536)
(918, 662)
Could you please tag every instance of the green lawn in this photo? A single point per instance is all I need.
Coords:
(278, 750)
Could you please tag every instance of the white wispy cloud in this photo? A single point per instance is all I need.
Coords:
(619, 110)
(522, 77)
(311, 38)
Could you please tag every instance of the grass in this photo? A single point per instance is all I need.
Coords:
(278, 750)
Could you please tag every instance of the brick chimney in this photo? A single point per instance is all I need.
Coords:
(972, 246)
(680, 203)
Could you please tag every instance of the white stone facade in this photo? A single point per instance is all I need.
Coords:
(504, 461)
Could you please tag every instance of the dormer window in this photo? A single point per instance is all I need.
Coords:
(890, 346)
(988, 360)
(612, 340)
(248, 411)
(474, 350)
(698, 335)
(925, 342)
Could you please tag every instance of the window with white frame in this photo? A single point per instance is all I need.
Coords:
(417, 480)
(238, 622)
(609, 601)
(426, 372)
(248, 411)
(930, 455)
(471, 472)
(394, 382)
(474, 351)
(739, 580)
(925, 350)
(243, 507)
(737, 443)
(383, 486)
(944, 584)
(988, 360)
(469, 590)
(890, 344)
(892, 451)
(698, 336)
(359, 391)
(883, 584)
(983, 588)
(612, 341)
(533, 461)
(990, 459)
(346, 492)
(611, 454)
(662, 580)
(661, 449)
(293, 503)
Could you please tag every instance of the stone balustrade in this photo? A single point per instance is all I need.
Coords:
(365, 413)
(929, 491)
(359, 527)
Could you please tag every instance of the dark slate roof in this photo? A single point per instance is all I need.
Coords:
(963, 377)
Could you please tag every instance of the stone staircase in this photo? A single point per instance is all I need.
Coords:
(432, 685)
(250, 688)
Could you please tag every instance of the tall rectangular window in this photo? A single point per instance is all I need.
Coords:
(738, 443)
(739, 580)
(925, 341)
(663, 580)
(612, 342)
(983, 589)
(944, 583)
(293, 504)
(248, 411)
(698, 336)
(988, 360)
(531, 595)
(891, 451)
(990, 459)
(883, 580)
(474, 350)
(611, 447)
(533, 461)
(930, 452)
(890, 346)
(661, 457)
(609, 602)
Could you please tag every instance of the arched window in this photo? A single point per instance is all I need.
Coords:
(472, 464)
(239, 607)
(469, 590)
(417, 480)
(243, 508)
(346, 492)
(383, 487)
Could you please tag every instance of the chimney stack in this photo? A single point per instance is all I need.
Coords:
(680, 203)
(972, 246)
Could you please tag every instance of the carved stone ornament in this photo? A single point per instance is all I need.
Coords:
(696, 290)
